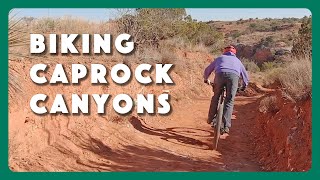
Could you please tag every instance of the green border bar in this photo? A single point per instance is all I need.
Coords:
(7, 5)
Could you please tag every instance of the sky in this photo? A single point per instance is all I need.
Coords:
(201, 14)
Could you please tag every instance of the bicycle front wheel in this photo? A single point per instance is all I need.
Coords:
(218, 126)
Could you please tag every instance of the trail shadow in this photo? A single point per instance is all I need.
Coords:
(128, 158)
(177, 135)
(237, 148)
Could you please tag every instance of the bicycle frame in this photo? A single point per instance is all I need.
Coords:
(219, 116)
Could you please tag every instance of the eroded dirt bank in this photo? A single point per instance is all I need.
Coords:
(282, 136)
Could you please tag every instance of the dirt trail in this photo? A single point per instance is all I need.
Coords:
(181, 143)
(190, 135)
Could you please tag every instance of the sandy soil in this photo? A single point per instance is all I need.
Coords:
(179, 143)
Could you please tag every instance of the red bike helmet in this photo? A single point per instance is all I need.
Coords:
(230, 49)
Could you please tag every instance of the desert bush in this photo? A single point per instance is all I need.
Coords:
(176, 42)
(152, 55)
(250, 66)
(289, 20)
(302, 43)
(271, 76)
(268, 104)
(253, 25)
(270, 65)
(235, 34)
(150, 26)
(149, 55)
(200, 48)
(168, 56)
(296, 79)
(44, 25)
(261, 27)
(198, 33)
(266, 42)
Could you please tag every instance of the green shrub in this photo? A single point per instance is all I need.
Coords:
(260, 27)
(253, 25)
(250, 66)
(199, 32)
(267, 42)
(149, 26)
(235, 34)
(269, 65)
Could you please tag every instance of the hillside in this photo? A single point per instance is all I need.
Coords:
(280, 32)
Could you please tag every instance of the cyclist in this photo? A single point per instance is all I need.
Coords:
(228, 69)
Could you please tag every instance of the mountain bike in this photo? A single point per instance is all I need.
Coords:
(219, 116)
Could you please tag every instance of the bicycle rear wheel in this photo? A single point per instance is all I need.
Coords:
(218, 126)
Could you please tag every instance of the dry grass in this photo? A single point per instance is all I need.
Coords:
(17, 37)
(268, 104)
(250, 66)
(17, 34)
(69, 25)
(149, 55)
(296, 79)
(271, 76)
(157, 55)
(187, 46)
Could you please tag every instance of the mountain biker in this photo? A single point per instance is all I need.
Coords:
(228, 69)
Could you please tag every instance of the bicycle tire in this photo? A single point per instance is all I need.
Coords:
(218, 125)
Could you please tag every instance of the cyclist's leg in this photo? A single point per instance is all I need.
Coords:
(231, 90)
(218, 85)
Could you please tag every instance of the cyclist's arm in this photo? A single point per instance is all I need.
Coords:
(209, 70)
(244, 75)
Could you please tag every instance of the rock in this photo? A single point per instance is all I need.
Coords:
(281, 151)
(245, 51)
(256, 53)
(263, 55)
(294, 128)
(281, 52)
(281, 44)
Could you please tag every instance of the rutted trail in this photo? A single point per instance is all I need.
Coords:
(181, 142)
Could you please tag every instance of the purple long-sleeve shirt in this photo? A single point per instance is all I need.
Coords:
(228, 62)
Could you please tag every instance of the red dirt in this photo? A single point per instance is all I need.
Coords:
(181, 141)
(286, 141)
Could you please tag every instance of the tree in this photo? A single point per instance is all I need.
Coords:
(149, 25)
